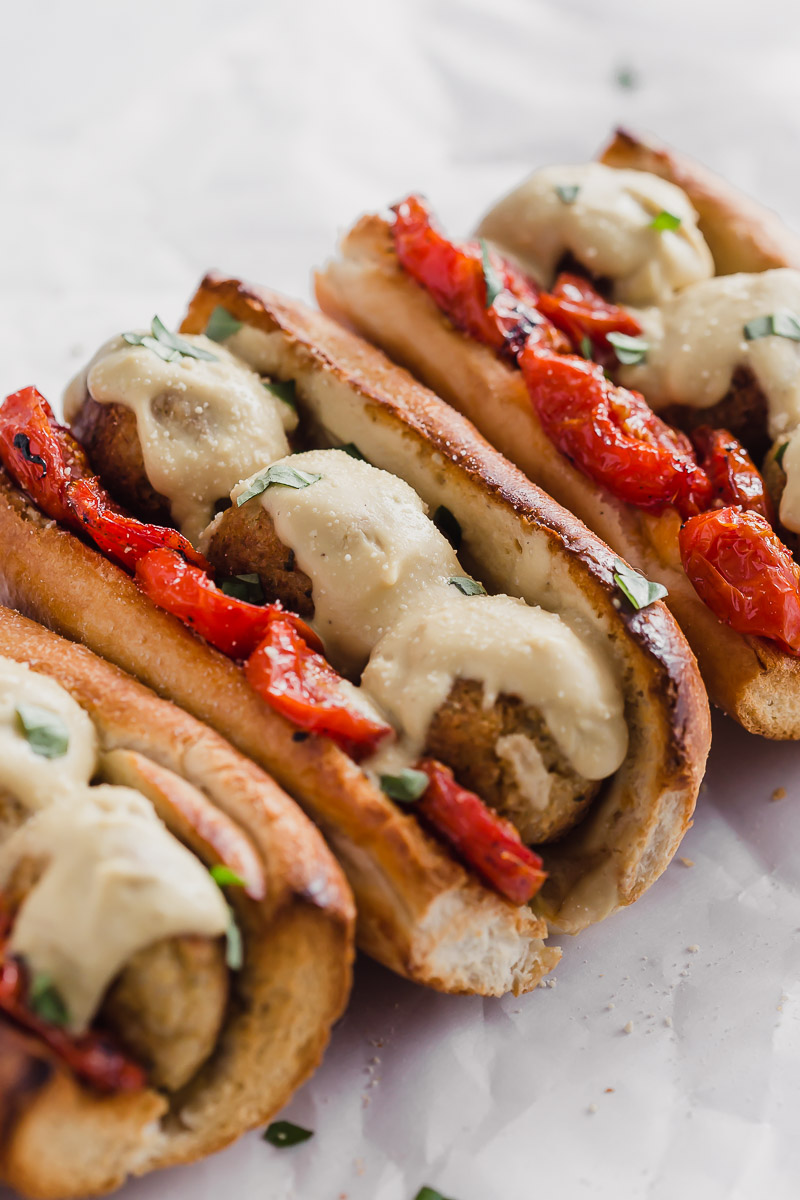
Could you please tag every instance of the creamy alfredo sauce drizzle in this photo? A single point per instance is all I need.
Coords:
(202, 425)
(115, 880)
(380, 574)
(606, 226)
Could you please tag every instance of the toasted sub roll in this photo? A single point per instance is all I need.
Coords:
(515, 540)
(234, 1065)
(419, 911)
(366, 289)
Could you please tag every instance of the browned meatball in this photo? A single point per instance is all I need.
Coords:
(742, 411)
(244, 542)
(464, 735)
(167, 1005)
(110, 437)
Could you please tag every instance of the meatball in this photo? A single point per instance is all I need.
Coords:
(487, 749)
(109, 434)
(167, 1006)
(243, 541)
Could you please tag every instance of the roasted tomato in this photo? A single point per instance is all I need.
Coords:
(613, 435)
(487, 298)
(484, 839)
(93, 1056)
(299, 683)
(233, 626)
(42, 457)
(744, 573)
(576, 307)
(735, 479)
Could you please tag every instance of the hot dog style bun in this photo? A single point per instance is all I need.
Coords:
(149, 1017)
(659, 237)
(504, 651)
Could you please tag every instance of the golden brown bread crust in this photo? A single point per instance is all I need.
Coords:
(419, 912)
(58, 1138)
(366, 287)
(517, 539)
(742, 234)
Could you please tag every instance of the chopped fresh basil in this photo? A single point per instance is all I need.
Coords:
(23, 442)
(352, 449)
(282, 390)
(567, 192)
(629, 350)
(168, 346)
(234, 952)
(626, 78)
(244, 587)
(46, 1001)
(46, 733)
(779, 324)
(665, 221)
(222, 325)
(586, 346)
(406, 787)
(429, 1193)
(284, 1133)
(470, 587)
(279, 474)
(225, 876)
(447, 524)
(635, 587)
(494, 284)
(779, 453)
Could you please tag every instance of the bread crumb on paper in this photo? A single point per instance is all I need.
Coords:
(592, 1109)
(668, 1022)
(693, 949)
(779, 794)
(609, 1090)
(686, 862)
(628, 1028)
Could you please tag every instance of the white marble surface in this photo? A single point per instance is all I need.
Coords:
(142, 144)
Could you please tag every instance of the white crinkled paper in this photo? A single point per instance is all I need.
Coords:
(143, 144)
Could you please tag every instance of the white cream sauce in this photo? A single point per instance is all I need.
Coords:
(380, 573)
(202, 424)
(607, 227)
(511, 648)
(115, 880)
(364, 539)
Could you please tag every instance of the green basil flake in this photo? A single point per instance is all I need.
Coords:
(244, 587)
(406, 787)
(46, 733)
(225, 876)
(352, 449)
(665, 221)
(635, 587)
(626, 78)
(282, 390)
(234, 952)
(494, 284)
(567, 192)
(222, 325)
(285, 1133)
(279, 474)
(470, 587)
(168, 346)
(429, 1193)
(447, 524)
(586, 347)
(629, 350)
(46, 1001)
(779, 324)
(779, 453)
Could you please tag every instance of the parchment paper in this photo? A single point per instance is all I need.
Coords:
(145, 143)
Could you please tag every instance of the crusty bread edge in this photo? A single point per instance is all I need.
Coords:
(630, 836)
(293, 986)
